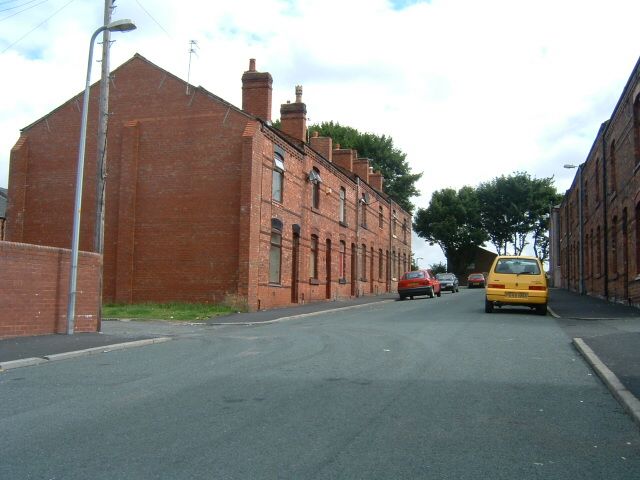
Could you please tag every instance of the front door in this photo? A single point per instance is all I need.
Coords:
(295, 252)
(328, 269)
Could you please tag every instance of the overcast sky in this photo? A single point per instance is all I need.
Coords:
(469, 89)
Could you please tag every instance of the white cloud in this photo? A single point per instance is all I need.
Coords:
(469, 90)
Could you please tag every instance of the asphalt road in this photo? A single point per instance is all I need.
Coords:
(428, 388)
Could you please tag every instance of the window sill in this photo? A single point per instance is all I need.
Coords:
(343, 224)
(314, 281)
(315, 210)
(277, 285)
(342, 281)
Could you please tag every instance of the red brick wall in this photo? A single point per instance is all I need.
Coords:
(188, 199)
(610, 187)
(34, 290)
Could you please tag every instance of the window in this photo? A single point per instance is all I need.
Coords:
(380, 217)
(599, 251)
(313, 257)
(380, 265)
(275, 254)
(638, 239)
(363, 211)
(404, 230)
(636, 128)
(393, 224)
(597, 181)
(314, 178)
(343, 206)
(278, 178)
(614, 245)
(363, 262)
(342, 261)
(586, 198)
(612, 170)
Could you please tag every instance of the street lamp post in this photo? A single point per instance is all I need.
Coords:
(581, 289)
(117, 26)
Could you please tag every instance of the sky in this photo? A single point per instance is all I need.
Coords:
(468, 89)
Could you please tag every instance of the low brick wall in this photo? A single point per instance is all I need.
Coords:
(34, 285)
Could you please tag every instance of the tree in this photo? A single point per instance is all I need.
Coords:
(513, 208)
(438, 268)
(452, 221)
(399, 182)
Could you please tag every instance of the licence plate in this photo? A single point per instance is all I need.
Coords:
(516, 295)
(414, 284)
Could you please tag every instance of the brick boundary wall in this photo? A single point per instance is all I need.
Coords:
(34, 285)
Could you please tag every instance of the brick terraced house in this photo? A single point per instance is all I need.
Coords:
(595, 231)
(207, 202)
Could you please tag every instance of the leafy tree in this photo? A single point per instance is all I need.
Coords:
(399, 182)
(515, 207)
(452, 221)
(438, 267)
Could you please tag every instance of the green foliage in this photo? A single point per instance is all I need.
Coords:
(453, 222)
(399, 182)
(438, 267)
(514, 207)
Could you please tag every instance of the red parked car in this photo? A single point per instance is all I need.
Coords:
(418, 282)
(475, 280)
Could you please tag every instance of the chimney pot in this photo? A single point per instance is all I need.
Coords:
(315, 134)
(256, 92)
(298, 93)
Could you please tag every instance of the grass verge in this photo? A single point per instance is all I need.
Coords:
(165, 311)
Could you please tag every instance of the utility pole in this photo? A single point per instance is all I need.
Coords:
(101, 166)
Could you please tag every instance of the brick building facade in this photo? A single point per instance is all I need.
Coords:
(595, 232)
(206, 201)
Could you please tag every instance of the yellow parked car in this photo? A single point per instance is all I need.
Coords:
(519, 281)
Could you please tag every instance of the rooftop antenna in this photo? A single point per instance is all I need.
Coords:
(193, 45)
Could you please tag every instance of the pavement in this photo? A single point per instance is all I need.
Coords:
(606, 334)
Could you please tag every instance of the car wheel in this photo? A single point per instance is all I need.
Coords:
(541, 309)
(411, 298)
(431, 293)
(439, 294)
(402, 297)
(488, 306)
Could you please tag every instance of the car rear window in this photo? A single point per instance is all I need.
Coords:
(517, 266)
(412, 275)
(444, 276)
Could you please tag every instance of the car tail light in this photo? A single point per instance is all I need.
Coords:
(537, 287)
(496, 285)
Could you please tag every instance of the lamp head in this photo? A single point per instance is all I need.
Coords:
(123, 25)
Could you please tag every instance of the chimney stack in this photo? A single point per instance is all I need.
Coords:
(256, 92)
(344, 157)
(376, 180)
(361, 168)
(323, 145)
(293, 117)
